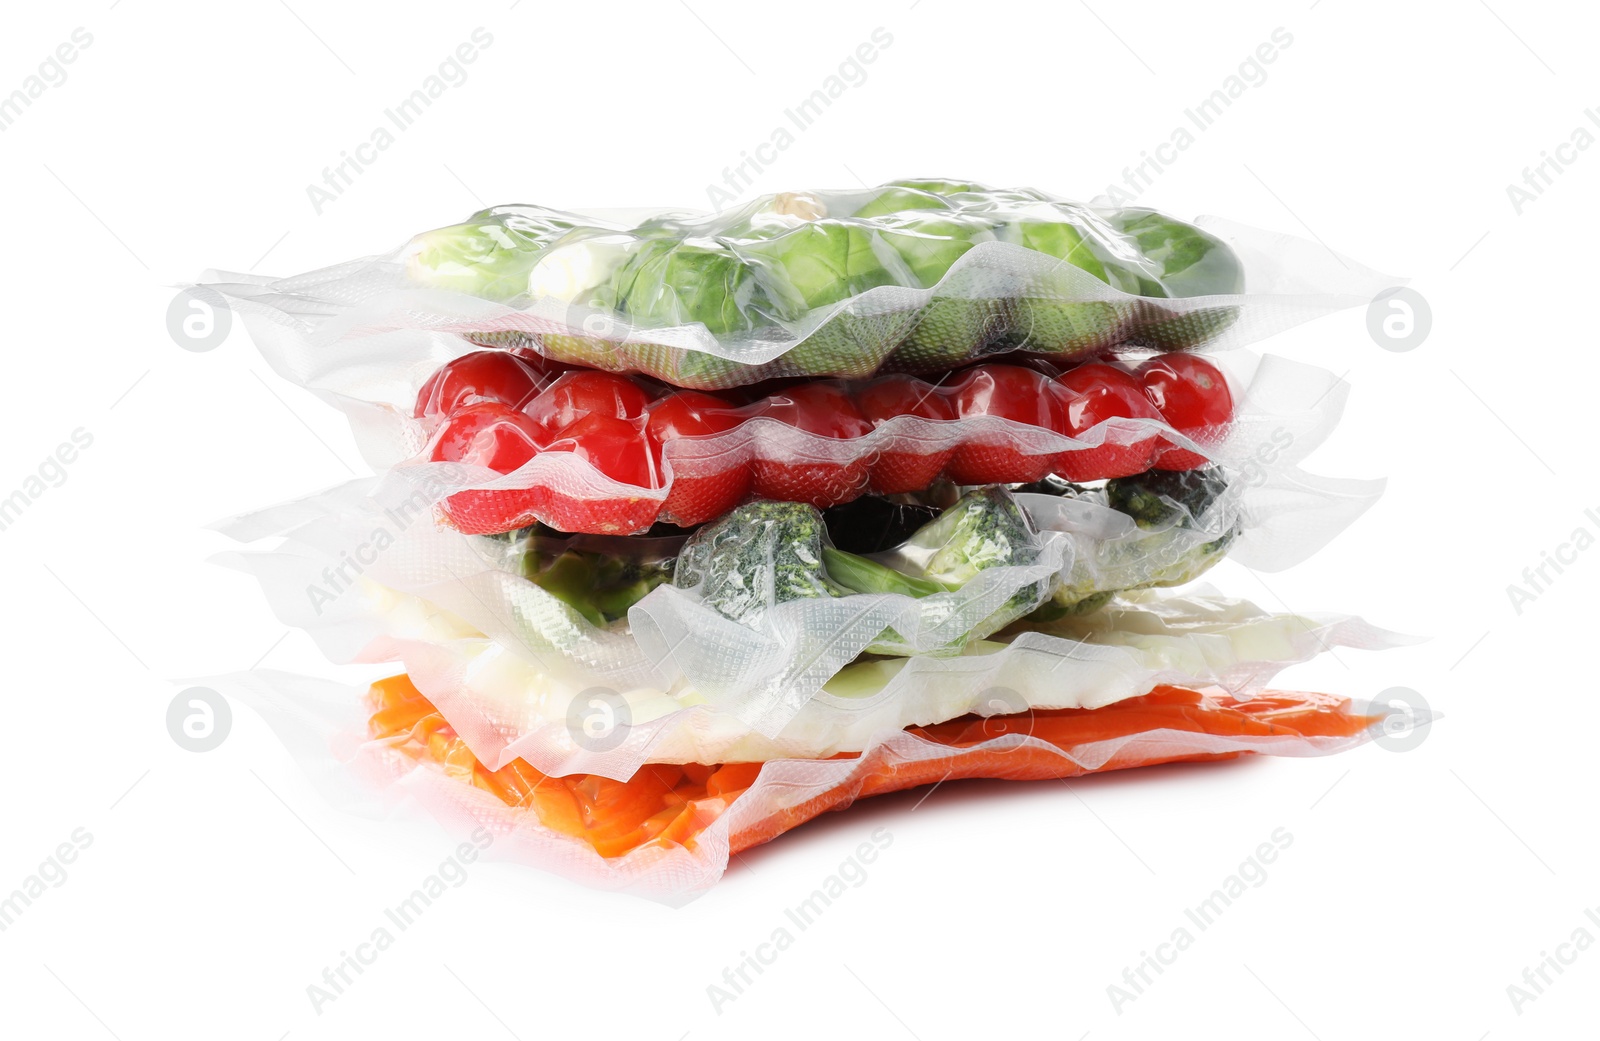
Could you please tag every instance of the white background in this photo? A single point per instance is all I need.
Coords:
(1419, 885)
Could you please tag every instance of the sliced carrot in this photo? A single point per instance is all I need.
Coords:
(665, 805)
(733, 777)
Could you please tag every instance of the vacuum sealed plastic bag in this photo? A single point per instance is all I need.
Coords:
(521, 670)
(913, 276)
(600, 453)
(758, 613)
(691, 528)
(669, 831)
(506, 709)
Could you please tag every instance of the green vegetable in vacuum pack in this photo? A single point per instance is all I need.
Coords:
(758, 556)
(1171, 542)
(838, 284)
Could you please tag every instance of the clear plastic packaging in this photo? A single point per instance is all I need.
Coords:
(962, 439)
(507, 710)
(669, 832)
(597, 452)
(619, 477)
(913, 276)
(511, 662)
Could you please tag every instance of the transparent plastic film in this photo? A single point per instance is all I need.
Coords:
(914, 276)
(518, 669)
(669, 832)
(596, 453)
(687, 528)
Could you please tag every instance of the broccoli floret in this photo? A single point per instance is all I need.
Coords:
(1168, 549)
(766, 553)
(759, 555)
(1161, 498)
(986, 528)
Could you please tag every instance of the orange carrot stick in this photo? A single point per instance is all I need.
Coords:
(665, 804)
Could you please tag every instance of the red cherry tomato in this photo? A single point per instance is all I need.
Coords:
(815, 474)
(587, 392)
(1193, 397)
(705, 483)
(487, 434)
(1012, 392)
(615, 447)
(689, 413)
(1095, 393)
(619, 449)
(480, 376)
(547, 368)
(905, 468)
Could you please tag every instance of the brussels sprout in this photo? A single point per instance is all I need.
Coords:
(670, 282)
(582, 273)
(939, 186)
(824, 261)
(1048, 319)
(901, 197)
(490, 255)
(971, 309)
(1191, 263)
(821, 263)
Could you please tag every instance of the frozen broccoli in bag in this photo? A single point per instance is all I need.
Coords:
(1171, 541)
(758, 556)
(986, 528)
(767, 553)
